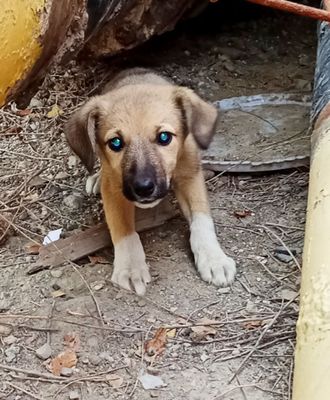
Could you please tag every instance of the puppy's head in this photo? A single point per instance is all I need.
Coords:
(139, 133)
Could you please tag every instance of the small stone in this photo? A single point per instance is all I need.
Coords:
(288, 294)
(11, 353)
(61, 175)
(44, 352)
(208, 174)
(4, 305)
(35, 103)
(229, 66)
(72, 161)
(224, 290)
(56, 273)
(142, 303)
(107, 357)
(74, 202)
(67, 372)
(5, 330)
(9, 340)
(98, 286)
(303, 84)
(74, 395)
(95, 360)
(56, 286)
(283, 255)
(163, 234)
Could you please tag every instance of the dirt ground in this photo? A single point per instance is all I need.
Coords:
(248, 351)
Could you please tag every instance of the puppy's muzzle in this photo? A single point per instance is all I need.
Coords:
(144, 188)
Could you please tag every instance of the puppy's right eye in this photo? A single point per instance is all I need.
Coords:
(116, 144)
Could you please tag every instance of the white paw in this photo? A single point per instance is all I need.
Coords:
(211, 262)
(214, 266)
(93, 184)
(130, 268)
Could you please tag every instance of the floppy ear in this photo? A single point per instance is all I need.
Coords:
(199, 116)
(81, 132)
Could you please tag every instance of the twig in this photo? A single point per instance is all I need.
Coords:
(90, 378)
(282, 243)
(222, 395)
(24, 391)
(73, 265)
(32, 373)
(263, 333)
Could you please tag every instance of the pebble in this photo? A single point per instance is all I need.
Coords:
(142, 303)
(74, 395)
(44, 352)
(11, 353)
(61, 175)
(95, 360)
(224, 290)
(5, 330)
(283, 255)
(4, 305)
(56, 273)
(67, 372)
(107, 357)
(73, 201)
(72, 161)
(9, 340)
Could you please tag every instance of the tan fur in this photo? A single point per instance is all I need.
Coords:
(137, 105)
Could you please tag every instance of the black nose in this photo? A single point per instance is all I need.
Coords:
(144, 187)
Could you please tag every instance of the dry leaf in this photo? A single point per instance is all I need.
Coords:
(98, 260)
(156, 345)
(200, 332)
(115, 380)
(23, 113)
(253, 324)
(32, 248)
(66, 359)
(54, 112)
(72, 341)
(242, 213)
(58, 293)
(170, 333)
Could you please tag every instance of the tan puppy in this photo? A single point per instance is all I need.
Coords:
(147, 133)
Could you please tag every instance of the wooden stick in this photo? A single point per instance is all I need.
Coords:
(295, 8)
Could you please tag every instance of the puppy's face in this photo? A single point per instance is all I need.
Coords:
(140, 136)
(139, 131)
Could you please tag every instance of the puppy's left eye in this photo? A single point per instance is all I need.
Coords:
(116, 144)
(164, 138)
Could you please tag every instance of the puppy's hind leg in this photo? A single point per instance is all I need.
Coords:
(130, 267)
(211, 262)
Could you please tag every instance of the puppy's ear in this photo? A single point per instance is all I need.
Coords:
(199, 117)
(81, 131)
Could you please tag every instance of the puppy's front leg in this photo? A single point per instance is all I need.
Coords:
(211, 262)
(130, 267)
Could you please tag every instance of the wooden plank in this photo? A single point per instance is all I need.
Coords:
(96, 238)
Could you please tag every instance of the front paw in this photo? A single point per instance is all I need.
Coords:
(215, 267)
(130, 268)
(134, 276)
(93, 184)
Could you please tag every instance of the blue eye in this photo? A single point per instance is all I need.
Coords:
(164, 138)
(116, 144)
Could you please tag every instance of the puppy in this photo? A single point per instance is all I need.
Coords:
(148, 132)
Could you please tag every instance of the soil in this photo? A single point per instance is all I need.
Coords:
(248, 353)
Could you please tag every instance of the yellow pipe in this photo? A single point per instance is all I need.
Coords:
(312, 358)
(20, 31)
